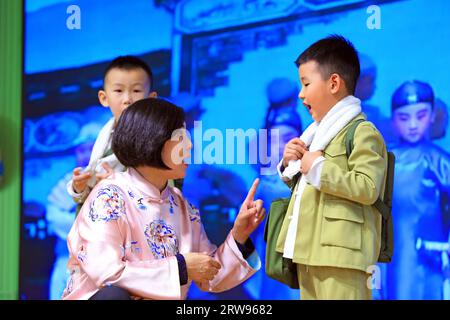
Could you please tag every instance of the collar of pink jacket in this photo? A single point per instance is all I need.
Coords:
(147, 190)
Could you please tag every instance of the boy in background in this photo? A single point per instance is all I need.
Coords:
(126, 80)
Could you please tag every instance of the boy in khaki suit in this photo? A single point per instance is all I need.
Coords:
(331, 230)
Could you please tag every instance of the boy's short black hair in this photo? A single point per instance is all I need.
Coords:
(334, 54)
(142, 130)
(130, 63)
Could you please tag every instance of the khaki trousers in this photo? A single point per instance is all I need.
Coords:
(331, 283)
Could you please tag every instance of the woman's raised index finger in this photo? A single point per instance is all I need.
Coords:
(252, 191)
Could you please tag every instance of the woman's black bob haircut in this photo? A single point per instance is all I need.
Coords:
(142, 130)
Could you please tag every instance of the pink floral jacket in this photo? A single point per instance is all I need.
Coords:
(127, 235)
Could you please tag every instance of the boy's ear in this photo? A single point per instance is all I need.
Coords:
(102, 98)
(153, 94)
(335, 83)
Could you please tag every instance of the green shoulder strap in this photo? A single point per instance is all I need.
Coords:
(349, 137)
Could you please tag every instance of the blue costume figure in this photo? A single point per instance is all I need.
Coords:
(420, 203)
(215, 191)
(439, 127)
(281, 116)
(365, 89)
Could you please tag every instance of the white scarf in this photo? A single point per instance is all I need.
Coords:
(317, 136)
(101, 146)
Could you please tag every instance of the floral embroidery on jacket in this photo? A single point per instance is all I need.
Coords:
(194, 213)
(161, 239)
(109, 204)
(69, 284)
(82, 255)
(132, 246)
(140, 205)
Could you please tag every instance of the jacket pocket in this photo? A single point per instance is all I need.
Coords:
(336, 153)
(342, 224)
(334, 150)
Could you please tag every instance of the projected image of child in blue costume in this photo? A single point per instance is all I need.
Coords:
(420, 204)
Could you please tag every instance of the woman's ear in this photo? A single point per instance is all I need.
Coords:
(153, 94)
(102, 98)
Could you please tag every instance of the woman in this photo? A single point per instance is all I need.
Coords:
(136, 237)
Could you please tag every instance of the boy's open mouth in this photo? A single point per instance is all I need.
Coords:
(307, 106)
